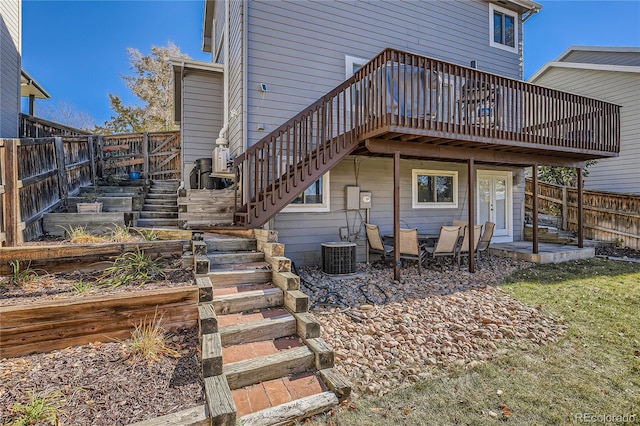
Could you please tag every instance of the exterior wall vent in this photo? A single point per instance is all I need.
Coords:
(338, 258)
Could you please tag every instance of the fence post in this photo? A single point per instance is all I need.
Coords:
(92, 159)
(12, 205)
(62, 170)
(145, 155)
(565, 209)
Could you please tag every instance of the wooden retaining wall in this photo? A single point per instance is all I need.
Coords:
(607, 216)
(46, 326)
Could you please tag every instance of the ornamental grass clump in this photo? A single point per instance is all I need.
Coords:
(21, 275)
(132, 268)
(41, 406)
(80, 235)
(150, 341)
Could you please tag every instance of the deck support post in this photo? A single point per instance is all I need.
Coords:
(580, 209)
(534, 203)
(472, 213)
(396, 216)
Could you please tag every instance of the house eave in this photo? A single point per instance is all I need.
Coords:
(207, 26)
(582, 66)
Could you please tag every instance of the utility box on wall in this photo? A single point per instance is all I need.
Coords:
(365, 200)
(352, 197)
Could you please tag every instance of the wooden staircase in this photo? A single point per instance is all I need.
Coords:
(263, 360)
(160, 206)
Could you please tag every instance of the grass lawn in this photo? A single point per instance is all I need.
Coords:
(593, 371)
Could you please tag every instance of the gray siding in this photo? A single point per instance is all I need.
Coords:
(620, 174)
(202, 115)
(604, 58)
(9, 68)
(235, 77)
(302, 233)
(218, 31)
(298, 48)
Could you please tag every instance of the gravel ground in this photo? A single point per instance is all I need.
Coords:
(387, 334)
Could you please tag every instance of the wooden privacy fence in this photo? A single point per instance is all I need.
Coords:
(37, 177)
(156, 155)
(607, 216)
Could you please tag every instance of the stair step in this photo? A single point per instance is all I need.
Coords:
(268, 367)
(156, 223)
(256, 299)
(158, 215)
(160, 201)
(248, 327)
(225, 278)
(230, 244)
(275, 393)
(159, 208)
(161, 195)
(225, 258)
(248, 266)
(244, 351)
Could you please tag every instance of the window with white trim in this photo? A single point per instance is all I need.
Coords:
(503, 28)
(434, 189)
(314, 199)
(353, 64)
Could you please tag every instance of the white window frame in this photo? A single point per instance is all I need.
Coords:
(433, 205)
(325, 206)
(516, 22)
(350, 61)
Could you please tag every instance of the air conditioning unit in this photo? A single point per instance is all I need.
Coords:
(338, 258)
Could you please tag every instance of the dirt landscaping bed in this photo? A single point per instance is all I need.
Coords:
(99, 383)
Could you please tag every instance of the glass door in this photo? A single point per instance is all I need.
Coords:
(494, 201)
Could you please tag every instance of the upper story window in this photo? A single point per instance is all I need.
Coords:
(503, 28)
(434, 189)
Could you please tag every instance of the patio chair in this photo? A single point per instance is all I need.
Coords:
(463, 249)
(376, 243)
(410, 248)
(447, 243)
(485, 240)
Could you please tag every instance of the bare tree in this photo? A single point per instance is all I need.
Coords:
(66, 113)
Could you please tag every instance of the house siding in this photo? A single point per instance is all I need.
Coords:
(604, 58)
(10, 12)
(298, 48)
(620, 174)
(303, 233)
(203, 109)
(235, 136)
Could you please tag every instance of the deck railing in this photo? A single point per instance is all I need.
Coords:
(401, 92)
(441, 99)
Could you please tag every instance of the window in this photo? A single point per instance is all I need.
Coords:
(503, 28)
(314, 199)
(434, 189)
(353, 64)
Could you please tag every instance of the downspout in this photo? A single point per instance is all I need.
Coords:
(222, 136)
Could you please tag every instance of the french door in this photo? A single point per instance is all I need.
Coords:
(495, 202)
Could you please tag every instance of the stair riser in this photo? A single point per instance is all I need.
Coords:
(154, 208)
(249, 372)
(227, 279)
(231, 245)
(241, 302)
(235, 258)
(263, 330)
(158, 215)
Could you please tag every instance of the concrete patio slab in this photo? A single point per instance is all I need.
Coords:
(547, 252)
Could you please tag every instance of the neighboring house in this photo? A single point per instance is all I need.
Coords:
(313, 132)
(14, 81)
(10, 54)
(611, 74)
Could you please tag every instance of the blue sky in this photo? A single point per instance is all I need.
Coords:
(77, 49)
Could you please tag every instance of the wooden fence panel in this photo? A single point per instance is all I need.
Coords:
(607, 216)
(155, 155)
